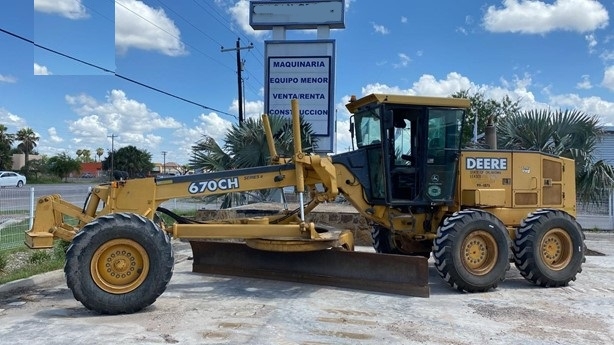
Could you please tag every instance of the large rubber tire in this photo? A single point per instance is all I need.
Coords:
(549, 248)
(382, 240)
(471, 251)
(119, 263)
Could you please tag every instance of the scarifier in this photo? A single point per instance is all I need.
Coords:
(474, 211)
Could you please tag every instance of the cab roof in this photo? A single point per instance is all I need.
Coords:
(355, 104)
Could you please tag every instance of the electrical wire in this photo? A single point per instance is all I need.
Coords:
(249, 86)
(116, 74)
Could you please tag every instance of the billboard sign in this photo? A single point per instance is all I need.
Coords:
(303, 70)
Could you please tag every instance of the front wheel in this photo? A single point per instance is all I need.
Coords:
(119, 263)
(19, 184)
(471, 251)
(549, 248)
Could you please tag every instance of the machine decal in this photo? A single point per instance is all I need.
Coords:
(213, 185)
(434, 191)
(485, 163)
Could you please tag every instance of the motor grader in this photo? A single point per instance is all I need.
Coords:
(474, 211)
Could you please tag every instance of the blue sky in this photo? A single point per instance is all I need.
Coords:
(547, 54)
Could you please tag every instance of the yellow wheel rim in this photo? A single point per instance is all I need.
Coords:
(479, 252)
(119, 266)
(556, 249)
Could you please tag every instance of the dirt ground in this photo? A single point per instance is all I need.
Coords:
(201, 309)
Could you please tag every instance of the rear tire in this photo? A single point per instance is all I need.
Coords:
(549, 248)
(119, 263)
(382, 240)
(471, 251)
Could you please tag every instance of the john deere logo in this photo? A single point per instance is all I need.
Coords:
(484, 163)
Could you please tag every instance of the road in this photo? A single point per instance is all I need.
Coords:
(19, 198)
(206, 309)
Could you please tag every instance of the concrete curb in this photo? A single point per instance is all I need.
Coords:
(39, 280)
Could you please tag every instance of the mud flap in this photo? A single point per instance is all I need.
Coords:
(396, 274)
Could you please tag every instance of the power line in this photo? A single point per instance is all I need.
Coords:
(175, 37)
(187, 21)
(116, 74)
(257, 80)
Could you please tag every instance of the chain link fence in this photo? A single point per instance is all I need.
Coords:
(17, 210)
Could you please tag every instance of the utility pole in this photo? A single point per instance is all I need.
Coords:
(238, 49)
(164, 162)
(112, 136)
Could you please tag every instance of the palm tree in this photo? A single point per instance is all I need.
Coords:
(570, 133)
(6, 141)
(79, 154)
(28, 142)
(245, 146)
(99, 152)
(87, 155)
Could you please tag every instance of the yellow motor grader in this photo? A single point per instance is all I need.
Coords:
(473, 210)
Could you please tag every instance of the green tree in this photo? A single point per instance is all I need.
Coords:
(84, 155)
(99, 153)
(62, 165)
(245, 146)
(6, 141)
(483, 108)
(570, 133)
(135, 162)
(28, 140)
(37, 166)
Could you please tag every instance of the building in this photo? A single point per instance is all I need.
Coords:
(171, 168)
(19, 160)
(605, 148)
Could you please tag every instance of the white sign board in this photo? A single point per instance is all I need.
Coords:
(303, 70)
(296, 14)
(306, 79)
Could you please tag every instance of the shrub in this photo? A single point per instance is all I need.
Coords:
(3, 262)
(39, 257)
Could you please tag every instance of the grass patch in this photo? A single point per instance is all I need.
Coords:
(22, 262)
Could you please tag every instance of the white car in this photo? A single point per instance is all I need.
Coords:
(11, 179)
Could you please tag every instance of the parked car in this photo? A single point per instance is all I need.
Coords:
(11, 179)
(87, 175)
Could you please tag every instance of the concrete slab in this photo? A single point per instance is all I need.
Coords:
(201, 309)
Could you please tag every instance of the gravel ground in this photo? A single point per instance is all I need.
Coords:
(201, 309)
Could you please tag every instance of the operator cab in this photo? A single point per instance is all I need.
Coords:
(409, 146)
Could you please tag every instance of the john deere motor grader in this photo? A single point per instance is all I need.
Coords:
(472, 209)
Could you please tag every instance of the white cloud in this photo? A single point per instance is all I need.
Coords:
(41, 70)
(404, 60)
(11, 121)
(591, 105)
(380, 29)
(131, 120)
(71, 9)
(53, 135)
(142, 27)
(607, 55)
(585, 83)
(240, 15)
(206, 124)
(403, 19)
(250, 109)
(608, 78)
(538, 17)
(7, 79)
(591, 41)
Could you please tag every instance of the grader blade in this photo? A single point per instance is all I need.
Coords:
(397, 274)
